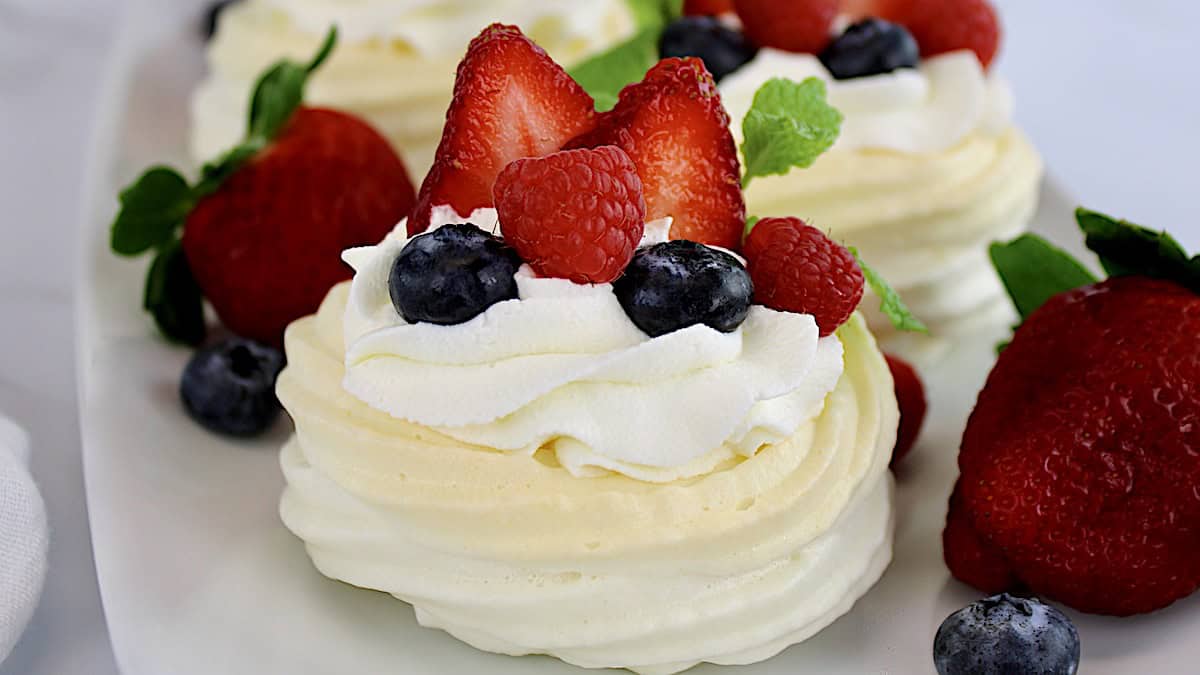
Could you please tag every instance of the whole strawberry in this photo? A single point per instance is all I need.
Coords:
(1081, 459)
(576, 214)
(261, 232)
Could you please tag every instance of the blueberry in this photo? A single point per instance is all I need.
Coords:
(229, 387)
(1009, 635)
(722, 49)
(451, 275)
(212, 15)
(681, 283)
(871, 47)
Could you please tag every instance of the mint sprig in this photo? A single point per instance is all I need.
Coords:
(890, 303)
(789, 125)
(155, 207)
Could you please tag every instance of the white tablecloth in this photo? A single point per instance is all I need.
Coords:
(1104, 87)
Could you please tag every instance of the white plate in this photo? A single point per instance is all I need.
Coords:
(199, 576)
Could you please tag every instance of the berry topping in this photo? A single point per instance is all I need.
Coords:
(941, 26)
(673, 126)
(510, 101)
(910, 394)
(870, 47)
(971, 558)
(796, 268)
(1006, 634)
(722, 49)
(795, 25)
(707, 7)
(229, 387)
(265, 247)
(452, 274)
(576, 214)
(680, 283)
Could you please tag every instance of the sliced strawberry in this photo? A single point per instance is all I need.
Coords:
(510, 101)
(673, 126)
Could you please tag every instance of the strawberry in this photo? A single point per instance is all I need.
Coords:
(1081, 458)
(510, 101)
(796, 268)
(941, 26)
(804, 26)
(575, 214)
(707, 7)
(265, 247)
(972, 559)
(910, 394)
(674, 128)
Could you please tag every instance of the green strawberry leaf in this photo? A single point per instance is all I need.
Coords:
(152, 208)
(655, 13)
(173, 297)
(890, 303)
(280, 90)
(1034, 270)
(789, 125)
(1125, 248)
(606, 74)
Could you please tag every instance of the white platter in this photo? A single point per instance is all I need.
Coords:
(199, 577)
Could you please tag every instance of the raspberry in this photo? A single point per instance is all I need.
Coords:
(942, 26)
(910, 394)
(795, 25)
(575, 214)
(1081, 459)
(796, 268)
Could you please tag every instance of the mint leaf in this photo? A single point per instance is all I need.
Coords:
(606, 74)
(789, 125)
(890, 303)
(151, 209)
(173, 297)
(280, 90)
(1125, 248)
(655, 13)
(1034, 270)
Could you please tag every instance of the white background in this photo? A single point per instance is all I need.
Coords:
(1106, 88)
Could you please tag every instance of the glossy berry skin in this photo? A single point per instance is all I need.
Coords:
(707, 7)
(1006, 634)
(575, 214)
(1081, 459)
(674, 128)
(910, 395)
(452, 274)
(942, 26)
(511, 101)
(266, 246)
(870, 47)
(796, 268)
(677, 284)
(722, 49)
(229, 387)
(802, 26)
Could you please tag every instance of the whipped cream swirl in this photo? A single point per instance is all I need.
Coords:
(927, 109)
(516, 377)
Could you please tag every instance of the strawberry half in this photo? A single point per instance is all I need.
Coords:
(511, 101)
(673, 126)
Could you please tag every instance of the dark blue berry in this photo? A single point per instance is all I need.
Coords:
(212, 15)
(722, 49)
(451, 275)
(229, 387)
(678, 284)
(870, 47)
(1007, 635)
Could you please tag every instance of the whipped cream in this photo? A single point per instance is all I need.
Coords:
(928, 109)
(513, 378)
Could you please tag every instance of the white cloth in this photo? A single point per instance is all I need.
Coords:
(23, 537)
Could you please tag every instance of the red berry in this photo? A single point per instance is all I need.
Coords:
(576, 214)
(804, 26)
(796, 268)
(970, 557)
(910, 394)
(707, 7)
(1081, 459)
(673, 126)
(941, 26)
(266, 247)
(510, 101)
